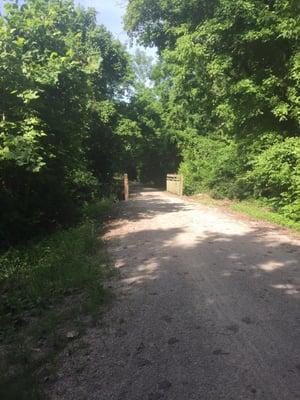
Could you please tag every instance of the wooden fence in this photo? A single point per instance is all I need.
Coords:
(175, 184)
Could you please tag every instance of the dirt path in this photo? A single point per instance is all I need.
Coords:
(207, 308)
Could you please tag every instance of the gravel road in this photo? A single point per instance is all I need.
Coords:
(207, 307)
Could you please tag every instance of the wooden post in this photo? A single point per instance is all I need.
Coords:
(126, 187)
(175, 184)
(181, 185)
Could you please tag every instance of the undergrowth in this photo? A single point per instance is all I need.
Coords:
(48, 289)
(260, 211)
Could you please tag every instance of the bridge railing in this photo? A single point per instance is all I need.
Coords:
(175, 184)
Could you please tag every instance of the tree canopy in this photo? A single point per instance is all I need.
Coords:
(62, 77)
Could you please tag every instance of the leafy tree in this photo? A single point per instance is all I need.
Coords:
(61, 76)
(150, 152)
(152, 22)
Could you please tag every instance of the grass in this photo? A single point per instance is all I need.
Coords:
(260, 211)
(254, 208)
(49, 291)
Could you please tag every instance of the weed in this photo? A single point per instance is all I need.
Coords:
(260, 211)
(47, 290)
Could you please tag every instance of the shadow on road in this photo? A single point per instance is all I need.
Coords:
(207, 308)
(232, 300)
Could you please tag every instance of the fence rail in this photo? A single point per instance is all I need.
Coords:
(175, 184)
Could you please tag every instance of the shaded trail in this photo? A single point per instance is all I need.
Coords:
(207, 308)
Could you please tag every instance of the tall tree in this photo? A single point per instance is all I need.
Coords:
(61, 76)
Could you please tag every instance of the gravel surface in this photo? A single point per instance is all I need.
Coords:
(207, 307)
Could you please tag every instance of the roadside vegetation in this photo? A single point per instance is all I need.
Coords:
(260, 211)
(62, 80)
(50, 291)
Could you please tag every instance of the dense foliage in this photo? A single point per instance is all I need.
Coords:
(229, 83)
(62, 77)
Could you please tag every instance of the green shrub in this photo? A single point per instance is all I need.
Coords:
(208, 164)
(276, 177)
(97, 210)
(267, 168)
(83, 185)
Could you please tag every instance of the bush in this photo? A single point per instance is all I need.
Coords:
(276, 177)
(97, 210)
(209, 164)
(268, 168)
(83, 185)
